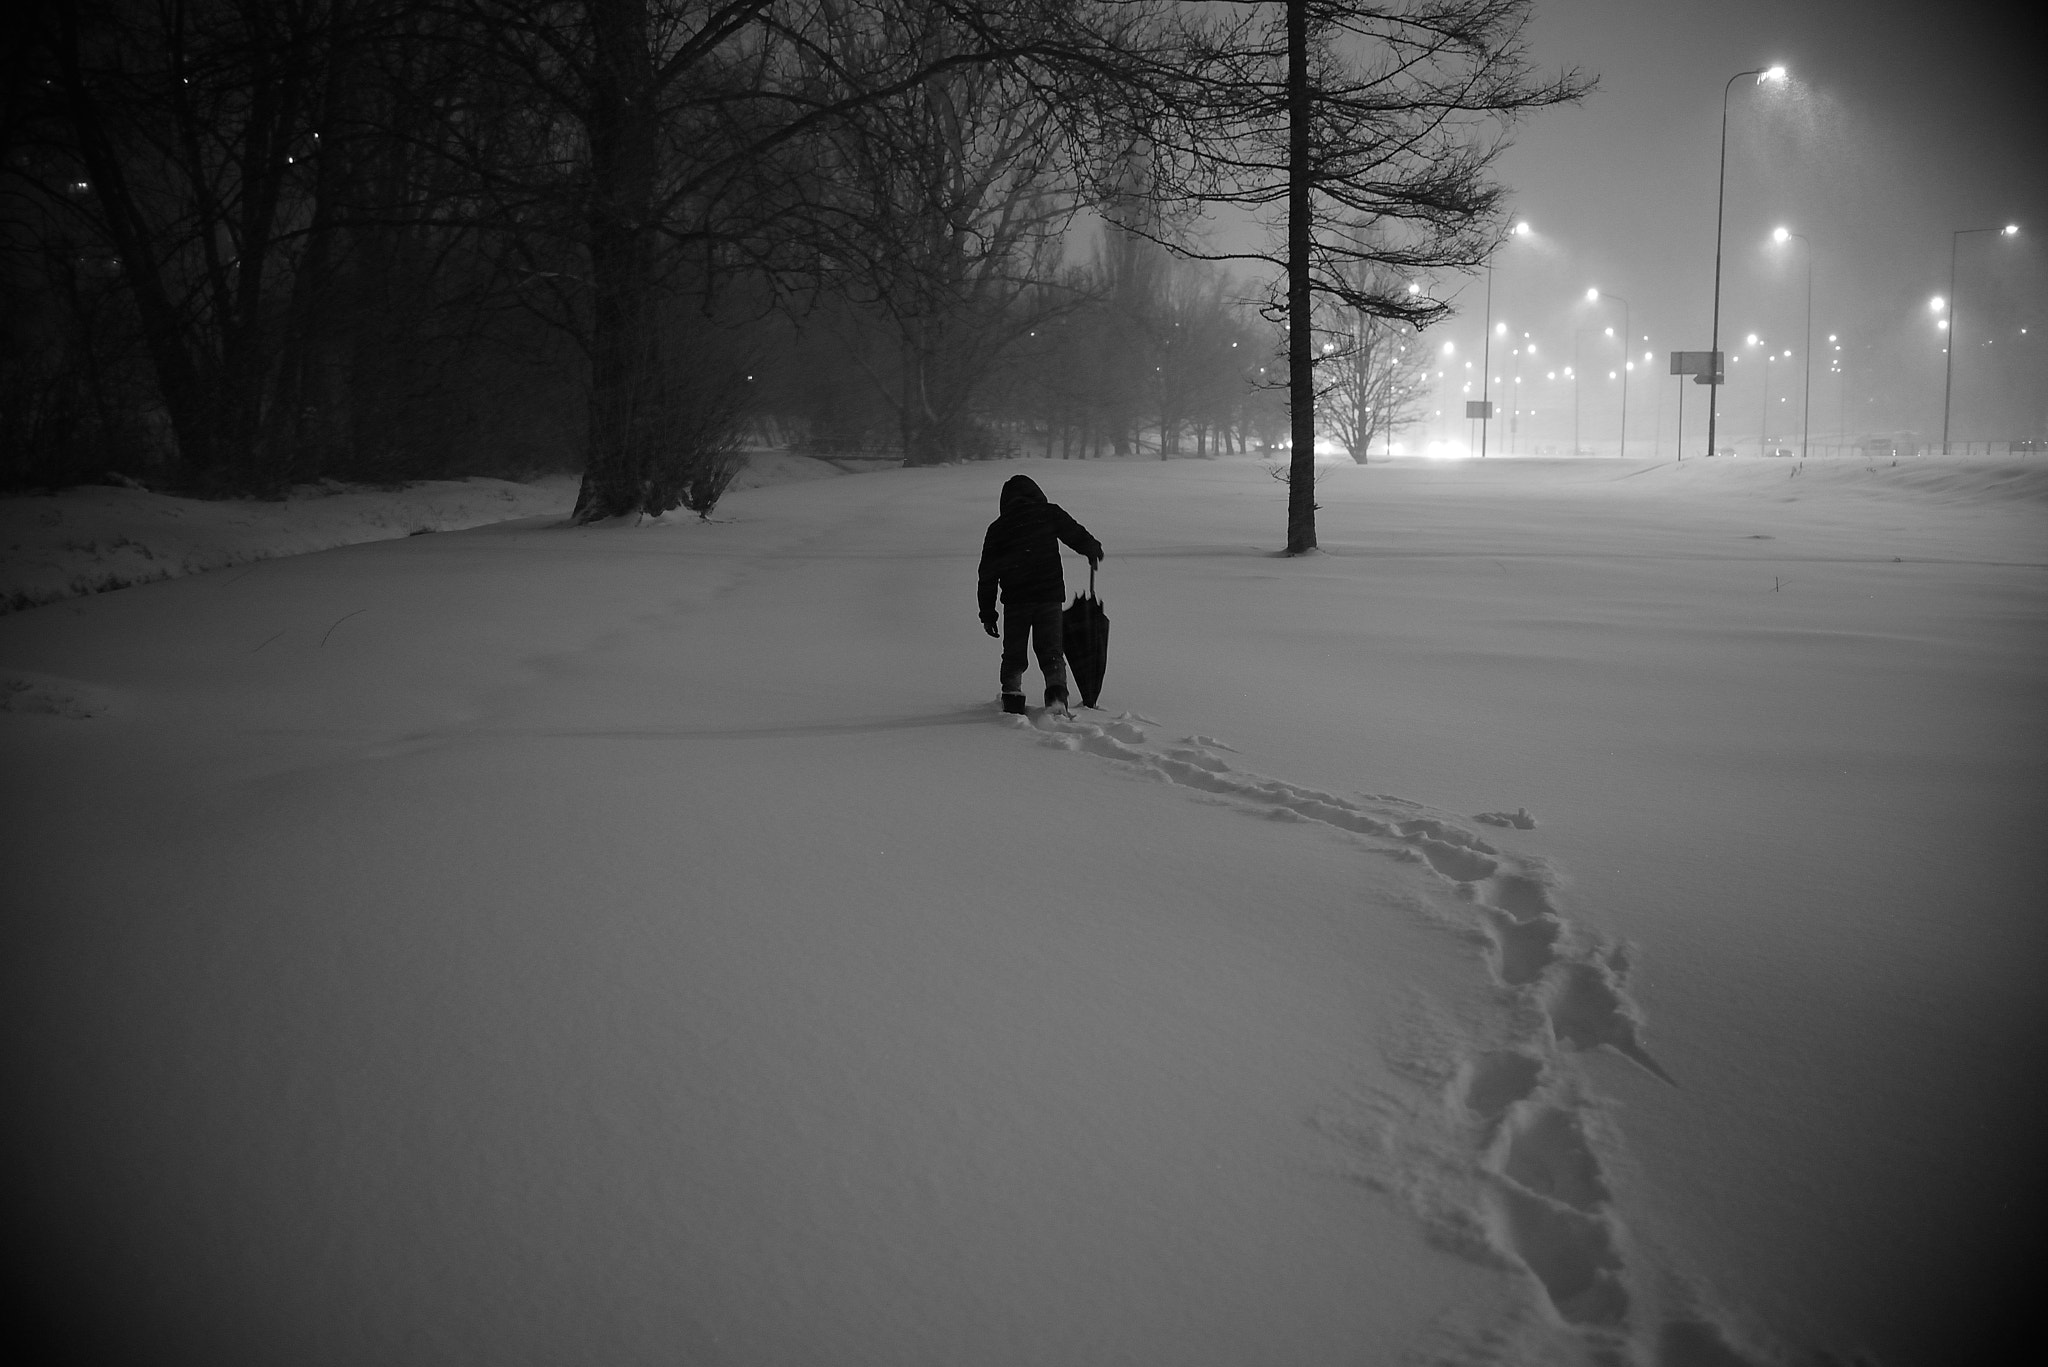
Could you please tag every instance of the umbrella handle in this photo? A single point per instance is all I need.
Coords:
(1091, 579)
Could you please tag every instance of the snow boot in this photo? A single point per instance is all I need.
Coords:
(1013, 703)
(1056, 700)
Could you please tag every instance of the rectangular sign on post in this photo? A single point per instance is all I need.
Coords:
(1706, 367)
(1478, 408)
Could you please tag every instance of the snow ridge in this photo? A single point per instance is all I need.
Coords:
(1516, 1123)
(50, 696)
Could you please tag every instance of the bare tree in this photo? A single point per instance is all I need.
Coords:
(188, 125)
(939, 209)
(688, 131)
(1205, 352)
(1369, 131)
(268, 191)
(1371, 376)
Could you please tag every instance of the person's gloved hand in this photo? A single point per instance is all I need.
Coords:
(988, 624)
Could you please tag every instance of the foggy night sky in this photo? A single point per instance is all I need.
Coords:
(1899, 124)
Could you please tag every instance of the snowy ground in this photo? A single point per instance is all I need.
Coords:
(98, 537)
(647, 944)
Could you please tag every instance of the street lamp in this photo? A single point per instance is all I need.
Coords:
(1657, 414)
(1522, 229)
(1593, 297)
(1806, 384)
(1763, 431)
(1578, 335)
(1762, 74)
(1949, 352)
(1841, 394)
(1515, 393)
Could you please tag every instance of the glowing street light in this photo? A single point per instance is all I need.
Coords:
(1948, 364)
(1762, 74)
(1841, 388)
(1763, 433)
(1521, 229)
(1527, 348)
(1782, 235)
(1593, 297)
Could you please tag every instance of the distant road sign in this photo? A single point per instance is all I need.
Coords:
(1478, 408)
(1706, 367)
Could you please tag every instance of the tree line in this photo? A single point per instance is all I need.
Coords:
(249, 243)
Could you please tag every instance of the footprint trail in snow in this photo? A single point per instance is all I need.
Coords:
(1510, 1170)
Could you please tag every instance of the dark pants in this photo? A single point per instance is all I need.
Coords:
(1038, 625)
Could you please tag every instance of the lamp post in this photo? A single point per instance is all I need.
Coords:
(1681, 416)
(1949, 352)
(1762, 74)
(1486, 348)
(1806, 385)
(1593, 297)
(1657, 423)
(1841, 395)
(1577, 335)
(1515, 393)
(1763, 430)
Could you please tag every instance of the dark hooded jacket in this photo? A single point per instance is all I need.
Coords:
(1021, 553)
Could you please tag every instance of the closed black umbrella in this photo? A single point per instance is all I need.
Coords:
(1084, 629)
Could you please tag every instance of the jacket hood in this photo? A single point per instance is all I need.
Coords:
(1019, 490)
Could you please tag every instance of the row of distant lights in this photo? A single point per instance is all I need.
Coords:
(1781, 234)
(1522, 229)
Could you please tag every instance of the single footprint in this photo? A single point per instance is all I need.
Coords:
(1526, 948)
(1519, 895)
(1571, 1253)
(1549, 1154)
(1454, 862)
(1493, 1082)
(1587, 1010)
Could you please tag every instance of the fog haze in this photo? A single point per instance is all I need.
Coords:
(1897, 126)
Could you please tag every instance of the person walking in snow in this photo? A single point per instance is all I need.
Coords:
(1021, 557)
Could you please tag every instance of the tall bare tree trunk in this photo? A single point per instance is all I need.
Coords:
(1301, 380)
(181, 382)
(625, 359)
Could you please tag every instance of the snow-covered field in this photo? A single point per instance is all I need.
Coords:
(99, 537)
(1587, 914)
